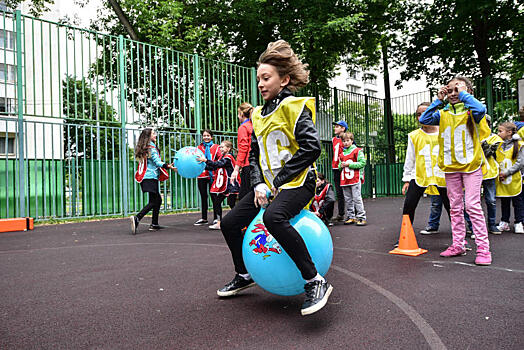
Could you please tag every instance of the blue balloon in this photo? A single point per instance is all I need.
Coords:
(187, 164)
(270, 266)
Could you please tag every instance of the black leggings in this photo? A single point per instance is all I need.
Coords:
(245, 181)
(155, 201)
(217, 203)
(339, 192)
(286, 205)
(203, 187)
(413, 197)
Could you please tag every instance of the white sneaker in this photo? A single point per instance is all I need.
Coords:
(215, 226)
(519, 228)
(503, 226)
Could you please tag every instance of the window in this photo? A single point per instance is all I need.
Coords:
(7, 143)
(353, 88)
(7, 39)
(370, 78)
(371, 93)
(7, 72)
(353, 74)
(7, 105)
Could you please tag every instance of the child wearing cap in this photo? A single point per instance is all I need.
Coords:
(340, 128)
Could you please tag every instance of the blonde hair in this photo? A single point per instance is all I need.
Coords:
(347, 135)
(509, 126)
(229, 144)
(245, 108)
(280, 55)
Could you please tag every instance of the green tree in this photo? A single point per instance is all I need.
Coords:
(36, 7)
(475, 38)
(90, 129)
(323, 32)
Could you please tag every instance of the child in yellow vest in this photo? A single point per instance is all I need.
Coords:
(462, 127)
(420, 167)
(510, 155)
(284, 146)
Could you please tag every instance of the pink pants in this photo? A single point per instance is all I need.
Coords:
(471, 183)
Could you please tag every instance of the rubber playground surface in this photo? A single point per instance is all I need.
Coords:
(93, 286)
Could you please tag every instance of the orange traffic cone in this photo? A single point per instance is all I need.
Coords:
(407, 243)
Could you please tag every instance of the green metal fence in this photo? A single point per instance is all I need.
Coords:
(73, 102)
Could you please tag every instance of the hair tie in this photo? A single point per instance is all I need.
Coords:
(516, 137)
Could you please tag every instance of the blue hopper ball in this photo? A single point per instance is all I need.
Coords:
(270, 266)
(187, 164)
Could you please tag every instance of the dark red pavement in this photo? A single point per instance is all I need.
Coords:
(93, 286)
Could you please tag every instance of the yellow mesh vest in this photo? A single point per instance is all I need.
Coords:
(427, 171)
(460, 152)
(491, 164)
(512, 185)
(432, 191)
(276, 137)
(521, 133)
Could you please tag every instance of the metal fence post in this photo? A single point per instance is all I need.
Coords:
(254, 88)
(123, 143)
(198, 107)
(335, 103)
(368, 149)
(489, 94)
(20, 112)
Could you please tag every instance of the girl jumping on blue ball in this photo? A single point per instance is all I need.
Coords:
(284, 147)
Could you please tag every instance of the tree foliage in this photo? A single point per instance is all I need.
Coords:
(89, 130)
(473, 38)
(322, 32)
(36, 7)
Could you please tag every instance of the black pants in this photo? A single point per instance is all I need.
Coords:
(155, 201)
(204, 185)
(245, 181)
(328, 212)
(217, 199)
(286, 205)
(340, 192)
(413, 196)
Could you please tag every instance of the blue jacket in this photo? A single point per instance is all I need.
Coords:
(153, 163)
(519, 125)
(431, 116)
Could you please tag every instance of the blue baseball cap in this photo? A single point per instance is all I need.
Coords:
(341, 123)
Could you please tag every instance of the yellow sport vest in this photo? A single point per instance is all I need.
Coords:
(460, 152)
(512, 185)
(276, 137)
(432, 191)
(521, 133)
(491, 164)
(427, 171)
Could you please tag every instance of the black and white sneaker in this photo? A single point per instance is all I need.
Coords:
(429, 231)
(317, 295)
(156, 227)
(134, 225)
(237, 285)
(200, 222)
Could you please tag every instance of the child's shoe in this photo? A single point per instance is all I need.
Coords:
(134, 225)
(237, 285)
(429, 230)
(503, 226)
(483, 258)
(494, 230)
(339, 218)
(200, 222)
(453, 251)
(361, 222)
(519, 228)
(350, 221)
(317, 295)
(215, 226)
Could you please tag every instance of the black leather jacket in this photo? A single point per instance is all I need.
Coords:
(309, 150)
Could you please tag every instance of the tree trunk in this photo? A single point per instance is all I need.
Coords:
(480, 41)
